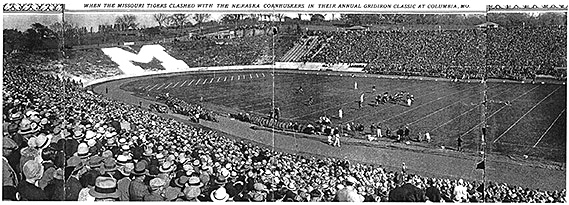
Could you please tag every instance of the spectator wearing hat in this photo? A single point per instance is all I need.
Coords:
(460, 192)
(105, 189)
(191, 193)
(55, 189)
(349, 193)
(33, 171)
(316, 195)
(30, 152)
(83, 151)
(123, 184)
(72, 184)
(259, 193)
(88, 181)
(432, 193)
(291, 194)
(94, 163)
(174, 190)
(48, 156)
(165, 171)
(9, 176)
(109, 168)
(156, 188)
(138, 189)
(219, 195)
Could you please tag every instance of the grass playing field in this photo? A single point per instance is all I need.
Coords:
(523, 119)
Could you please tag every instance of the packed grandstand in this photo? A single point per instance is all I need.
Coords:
(64, 142)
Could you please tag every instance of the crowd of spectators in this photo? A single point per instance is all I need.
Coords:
(220, 52)
(523, 52)
(423, 52)
(63, 142)
(193, 111)
(512, 53)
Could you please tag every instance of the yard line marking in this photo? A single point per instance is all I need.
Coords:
(231, 78)
(225, 79)
(256, 74)
(416, 107)
(501, 108)
(550, 126)
(519, 119)
(218, 79)
(191, 82)
(249, 91)
(146, 87)
(198, 81)
(204, 81)
(441, 125)
(250, 75)
(152, 87)
(238, 77)
(211, 80)
(263, 74)
(176, 84)
(168, 85)
(158, 88)
(441, 109)
(182, 85)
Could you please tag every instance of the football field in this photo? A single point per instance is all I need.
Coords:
(523, 119)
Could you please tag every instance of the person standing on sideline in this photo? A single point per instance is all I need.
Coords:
(361, 102)
(378, 130)
(340, 113)
(428, 137)
(459, 141)
(355, 85)
(337, 140)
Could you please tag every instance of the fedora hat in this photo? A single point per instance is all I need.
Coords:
(220, 180)
(83, 151)
(109, 165)
(105, 187)
(192, 192)
(194, 182)
(219, 195)
(140, 169)
(181, 181)
(167, 167)
(42, 141)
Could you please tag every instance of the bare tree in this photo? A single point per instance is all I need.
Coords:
(179, 20)
(200, 18)
(161, 18)
(126, 21)
(279, 16)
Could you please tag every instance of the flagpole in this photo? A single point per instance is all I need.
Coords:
(484, 129)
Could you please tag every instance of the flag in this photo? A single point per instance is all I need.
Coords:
(480, 188)
(480, 165)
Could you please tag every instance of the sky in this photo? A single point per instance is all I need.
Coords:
(22, 21)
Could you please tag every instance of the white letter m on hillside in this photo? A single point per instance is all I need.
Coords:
(148, 52)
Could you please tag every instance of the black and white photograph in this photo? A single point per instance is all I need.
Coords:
(284, 102)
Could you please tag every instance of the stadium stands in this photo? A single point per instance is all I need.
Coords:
(60, 138)
(510, 53)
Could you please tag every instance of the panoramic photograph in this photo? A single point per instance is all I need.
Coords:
(284, 107)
